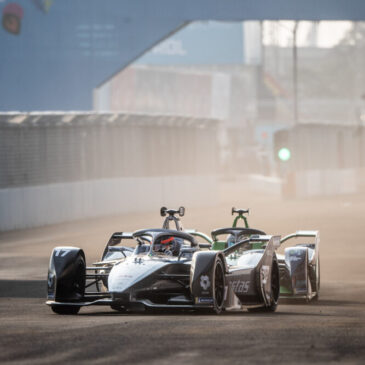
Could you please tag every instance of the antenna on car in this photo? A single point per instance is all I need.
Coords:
(240, 215)
(170, 216)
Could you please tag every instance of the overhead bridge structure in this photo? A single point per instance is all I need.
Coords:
(152, 21)
(62, 50)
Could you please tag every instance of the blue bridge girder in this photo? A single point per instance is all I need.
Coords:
(50, 66)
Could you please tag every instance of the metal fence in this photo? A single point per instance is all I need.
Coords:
(38, 149)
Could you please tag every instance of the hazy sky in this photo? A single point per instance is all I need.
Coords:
(322, 34)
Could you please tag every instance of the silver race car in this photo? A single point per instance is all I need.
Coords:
(299, 265)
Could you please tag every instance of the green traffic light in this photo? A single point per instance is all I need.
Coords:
(284, 154)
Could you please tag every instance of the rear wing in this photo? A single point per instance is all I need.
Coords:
(127, 235)
(298, 234)
(116, 239)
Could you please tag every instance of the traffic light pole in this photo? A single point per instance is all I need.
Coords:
(295, 74)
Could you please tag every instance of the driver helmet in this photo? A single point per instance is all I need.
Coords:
(231, 240)
(170, 244)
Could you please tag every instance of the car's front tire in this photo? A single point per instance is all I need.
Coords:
(66, 309)
(218, 289)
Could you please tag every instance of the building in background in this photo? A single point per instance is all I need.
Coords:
(195, 72)
(206, 70)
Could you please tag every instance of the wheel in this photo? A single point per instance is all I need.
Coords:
(80, 279)
(318, 272)
(65, 309)
(218, 289)
(275, 291)
(75, 289)
(318, 282)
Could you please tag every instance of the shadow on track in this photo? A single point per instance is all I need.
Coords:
(38, 289)
(23, 289)
(237, 313)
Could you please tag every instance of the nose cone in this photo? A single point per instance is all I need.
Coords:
(130, 272)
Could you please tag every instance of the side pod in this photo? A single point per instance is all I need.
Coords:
(66, 274)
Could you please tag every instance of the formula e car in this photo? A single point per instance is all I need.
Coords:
(298, 266)
(168, 268)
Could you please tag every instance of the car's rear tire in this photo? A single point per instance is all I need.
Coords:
(65, 309)
(315, 281)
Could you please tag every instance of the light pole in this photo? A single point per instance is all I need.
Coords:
(295, 74)
(294, 32)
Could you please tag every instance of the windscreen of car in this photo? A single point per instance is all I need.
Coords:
(144, 245)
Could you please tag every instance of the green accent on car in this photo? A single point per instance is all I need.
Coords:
(285, 290)
(256, 246)
(219, 245)
(240, 216)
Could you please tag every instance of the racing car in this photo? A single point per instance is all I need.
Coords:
(299, 266)
(167, 269)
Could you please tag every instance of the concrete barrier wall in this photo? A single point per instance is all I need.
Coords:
(24, 207)
(57, 167)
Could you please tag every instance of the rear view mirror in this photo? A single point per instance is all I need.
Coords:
(276, 242)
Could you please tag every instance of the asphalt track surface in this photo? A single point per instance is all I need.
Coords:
(330, 331)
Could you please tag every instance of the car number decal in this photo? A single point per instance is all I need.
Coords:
(61, 252)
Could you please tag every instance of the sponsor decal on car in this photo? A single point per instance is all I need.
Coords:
(61, 252)
(206, 300)
(205, 282)
(240, 286)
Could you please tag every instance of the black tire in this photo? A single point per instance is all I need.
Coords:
(80, 279)
(65, 309)
(318, 283)
(319, 276)
(218, 286)
(78, 288)
(275, 291)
